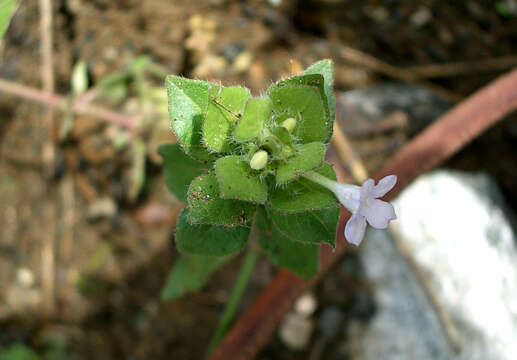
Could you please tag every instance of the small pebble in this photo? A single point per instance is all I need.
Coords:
(102, 208)
(25, 277)
(421, 17)
(111, 53)
(295, 331)
(306, 304)
(242, 62)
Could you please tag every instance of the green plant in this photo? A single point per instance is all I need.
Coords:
(18, 352)
(254, 168)
(7, 10)
(240, 158)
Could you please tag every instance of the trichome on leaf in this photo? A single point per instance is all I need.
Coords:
(241, 159)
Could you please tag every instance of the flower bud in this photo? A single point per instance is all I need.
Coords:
(289, 124)
(259, 160)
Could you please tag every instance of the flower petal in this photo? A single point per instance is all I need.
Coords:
(354, 229)
(366, 188)
(349, 196)
(383, 186)
(378, 213)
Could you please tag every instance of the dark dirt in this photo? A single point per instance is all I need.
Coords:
(111, 266)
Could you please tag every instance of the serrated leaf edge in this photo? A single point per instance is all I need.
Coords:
(331, 109)
(172, 120)
(328, 121)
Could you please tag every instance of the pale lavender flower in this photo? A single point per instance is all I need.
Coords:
(365, 206)
(362, 202)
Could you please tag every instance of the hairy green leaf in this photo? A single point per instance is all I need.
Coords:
(225, 108)
(190, 273)
(301, 258)
(312, 226)
(188, 103)
(326, 69)
(209, 240)
(207, 206)
(303, 98)
(7, 10)
(307, 157)
(302, 194)
(238, 181)
(256, 114)
(179, 169)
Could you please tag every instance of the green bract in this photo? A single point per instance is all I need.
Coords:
(219, 130)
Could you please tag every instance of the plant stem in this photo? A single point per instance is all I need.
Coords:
(233, 302)
(58, 101)
(320, 179)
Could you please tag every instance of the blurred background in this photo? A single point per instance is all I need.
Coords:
(87, 224)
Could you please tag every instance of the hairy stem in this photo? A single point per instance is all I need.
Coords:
(320, 179)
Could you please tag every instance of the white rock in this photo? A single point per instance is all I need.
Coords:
(455, 227)
(404, 325)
